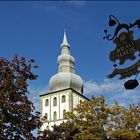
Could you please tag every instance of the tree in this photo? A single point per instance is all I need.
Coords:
(124, 123)
(90, 118)
(17, 113)
(61, 132)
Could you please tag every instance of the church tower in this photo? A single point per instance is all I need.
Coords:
(66, 89)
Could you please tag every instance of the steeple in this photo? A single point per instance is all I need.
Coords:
(66, 77)
(65, 60)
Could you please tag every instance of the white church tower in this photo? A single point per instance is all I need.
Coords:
(66, 89)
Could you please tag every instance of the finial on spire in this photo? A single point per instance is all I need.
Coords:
(65, 41)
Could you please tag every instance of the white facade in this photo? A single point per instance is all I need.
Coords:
(66, 90)
(67, 99)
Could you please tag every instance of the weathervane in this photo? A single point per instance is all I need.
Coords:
(125, 50)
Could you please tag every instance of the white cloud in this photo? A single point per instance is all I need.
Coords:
(128, 96)
(113, 91)
(91, 87)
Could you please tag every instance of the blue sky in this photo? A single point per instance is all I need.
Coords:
(35, 30)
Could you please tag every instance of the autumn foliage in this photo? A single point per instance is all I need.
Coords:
(17, 116)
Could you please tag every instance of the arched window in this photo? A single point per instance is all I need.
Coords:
(54, 101)
(55, 115)
(63, 99)
(47, 102)
(46, 116)
(64, 115)
(81, 101)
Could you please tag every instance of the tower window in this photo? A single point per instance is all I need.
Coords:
(46, 116)
(64, 115)
(55, 115)
(54, 101)
(63, 98)
(47, 102)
